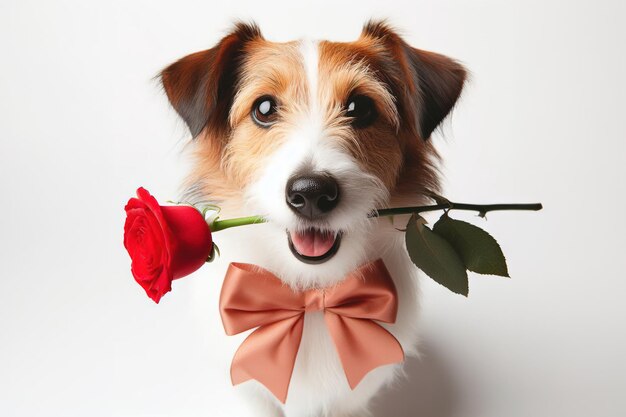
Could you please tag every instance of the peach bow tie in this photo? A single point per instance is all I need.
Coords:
(253, 297)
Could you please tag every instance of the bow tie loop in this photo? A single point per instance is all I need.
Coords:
(368, 293)
(249, 299)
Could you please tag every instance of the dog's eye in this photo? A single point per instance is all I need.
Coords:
(264, 111)
(361, 109)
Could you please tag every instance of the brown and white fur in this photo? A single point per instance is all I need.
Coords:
(245, 168)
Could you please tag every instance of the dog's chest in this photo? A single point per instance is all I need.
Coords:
(317, 363)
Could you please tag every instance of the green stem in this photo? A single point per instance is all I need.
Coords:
(482, 209)
(239, 221)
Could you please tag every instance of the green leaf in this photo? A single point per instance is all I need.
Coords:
(435, 256)
(478, 249)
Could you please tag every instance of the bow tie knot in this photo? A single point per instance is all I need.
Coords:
(254, 298)
(314, 300)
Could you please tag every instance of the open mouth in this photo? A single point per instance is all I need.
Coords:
(313, 246)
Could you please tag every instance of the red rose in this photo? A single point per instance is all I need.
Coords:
(164, 242)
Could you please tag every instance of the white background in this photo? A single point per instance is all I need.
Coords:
(82, 124)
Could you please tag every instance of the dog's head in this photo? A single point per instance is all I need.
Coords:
(313, 135)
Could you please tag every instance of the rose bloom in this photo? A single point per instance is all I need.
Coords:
(164, 242)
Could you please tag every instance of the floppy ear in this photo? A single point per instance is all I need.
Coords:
(428, 84)
(439, 84)
(201, 86)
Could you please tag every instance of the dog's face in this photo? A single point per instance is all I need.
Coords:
(313, 135)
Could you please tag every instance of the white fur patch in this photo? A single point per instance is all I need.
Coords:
(310, 58)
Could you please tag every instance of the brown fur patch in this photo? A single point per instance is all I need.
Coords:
(224, 168)
(389, 148)
(269, 69)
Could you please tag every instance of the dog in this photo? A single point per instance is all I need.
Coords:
(315, 136)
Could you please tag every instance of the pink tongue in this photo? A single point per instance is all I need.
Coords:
(312, 242)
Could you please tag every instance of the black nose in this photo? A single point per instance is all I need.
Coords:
(312, 195)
